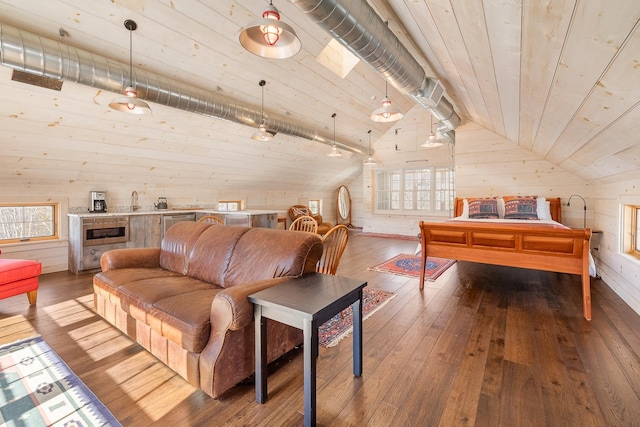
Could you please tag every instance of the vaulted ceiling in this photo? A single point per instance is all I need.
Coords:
(559, 78)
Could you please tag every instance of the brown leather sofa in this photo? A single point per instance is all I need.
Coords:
(186, 302)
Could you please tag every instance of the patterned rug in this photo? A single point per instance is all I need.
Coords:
(409, 266)
(337, 328)
(39, 389)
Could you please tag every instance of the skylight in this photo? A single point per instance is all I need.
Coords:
(337, 58)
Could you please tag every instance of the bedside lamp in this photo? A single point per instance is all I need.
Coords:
(584, 205)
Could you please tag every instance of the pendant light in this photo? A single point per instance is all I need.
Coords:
(129, 103)
(269, 37)
(262, 134)
(334, 150)
(370, 160)
(386, 113)
(431, 141)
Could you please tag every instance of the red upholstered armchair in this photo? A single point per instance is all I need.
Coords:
(299, 210)
(19, 276)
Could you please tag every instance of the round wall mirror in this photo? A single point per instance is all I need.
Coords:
(343, 206)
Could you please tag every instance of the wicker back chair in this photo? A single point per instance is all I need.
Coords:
(211, 219)
(334, 242)
(305, 223)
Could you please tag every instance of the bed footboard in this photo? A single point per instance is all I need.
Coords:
(550, 249)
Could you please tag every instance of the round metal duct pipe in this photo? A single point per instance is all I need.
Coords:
(37, 55)
(357, 27)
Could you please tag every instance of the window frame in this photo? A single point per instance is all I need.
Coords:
(238, 203)
(55, 222)
(394, 182)
(318, 202)
(630, 242)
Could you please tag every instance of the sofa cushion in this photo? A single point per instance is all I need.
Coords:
(13, 270)
(185, 318)
(169, 303)
(216, 244)
(177, 244)
(263, 253)
(137, 298)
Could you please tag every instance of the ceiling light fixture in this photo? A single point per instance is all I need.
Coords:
(262, 134)
(386, 113)
(431, 141)
(269, 37)
(334, 150)
(129, 103)
(370, 160)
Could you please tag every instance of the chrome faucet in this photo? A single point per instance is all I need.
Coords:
(134, 201)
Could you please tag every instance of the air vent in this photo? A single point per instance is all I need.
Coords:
(32, 79)
(434, 93)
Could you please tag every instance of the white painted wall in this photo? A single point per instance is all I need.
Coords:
(621, 272)
(486, 165)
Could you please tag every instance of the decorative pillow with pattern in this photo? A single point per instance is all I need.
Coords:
(299, 211)
(520, 207)
(483, 208)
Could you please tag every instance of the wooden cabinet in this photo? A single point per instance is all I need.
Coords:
(145, 231)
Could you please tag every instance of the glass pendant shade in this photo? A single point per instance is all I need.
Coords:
(129, 103)
(269, 37)
(370, 160)
(334, 149)
(334, 152)
(262, 134)
(431, 141)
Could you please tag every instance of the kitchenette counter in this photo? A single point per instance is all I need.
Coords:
(92, 233)
(249, 212)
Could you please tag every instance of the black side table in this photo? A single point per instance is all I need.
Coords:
(306, 303)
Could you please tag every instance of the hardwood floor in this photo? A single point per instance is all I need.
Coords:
(481, 346)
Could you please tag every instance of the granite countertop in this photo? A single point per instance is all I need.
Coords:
(174, 212)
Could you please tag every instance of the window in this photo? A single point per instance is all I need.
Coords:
(414, 190)
(314, 207)
(27, 222)
(631, 240)
(230, 205)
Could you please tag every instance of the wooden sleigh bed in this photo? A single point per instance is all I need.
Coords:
(530, 245)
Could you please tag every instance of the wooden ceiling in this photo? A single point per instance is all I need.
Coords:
(560, 79)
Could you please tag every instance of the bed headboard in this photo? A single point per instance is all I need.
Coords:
(554, 206)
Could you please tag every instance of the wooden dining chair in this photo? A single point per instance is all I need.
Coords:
(211, 219)
(334, 242)
(305, 223)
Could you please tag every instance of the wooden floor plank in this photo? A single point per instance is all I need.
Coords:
(483, 345)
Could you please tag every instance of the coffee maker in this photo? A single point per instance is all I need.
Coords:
(98, 201)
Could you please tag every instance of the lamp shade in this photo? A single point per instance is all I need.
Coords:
(269, 37)
(129, 103)
(262, 134)
(386, 113)
(334, 152)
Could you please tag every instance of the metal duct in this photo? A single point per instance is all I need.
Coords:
(37, 55)
(357, 27)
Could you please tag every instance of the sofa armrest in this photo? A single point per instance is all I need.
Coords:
(130, 258)
(231, 307)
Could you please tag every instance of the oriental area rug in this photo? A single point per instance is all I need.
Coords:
(409, 266)
(341, 325)
(39, 389)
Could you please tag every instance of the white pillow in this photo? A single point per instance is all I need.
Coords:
(465, 209)
(501, 208)
(543, 209)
